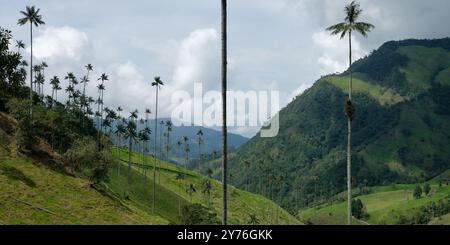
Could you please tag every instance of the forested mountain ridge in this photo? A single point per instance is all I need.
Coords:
(401, 131)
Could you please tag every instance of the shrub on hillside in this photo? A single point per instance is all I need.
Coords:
(84, 157)
(358, 209)
(196, 214)
(27, 125)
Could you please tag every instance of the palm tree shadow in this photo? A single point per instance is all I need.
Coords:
(15, 174)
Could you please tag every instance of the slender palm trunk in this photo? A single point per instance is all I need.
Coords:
(167, 146)
(147, 144)
(84, 97)
(187, 157)
(101, 107)
(154, 163)
(145, 161)
(42, 85)
(31, 70)
(98, 122)
(142, 154)
(53, 93)
(118, 156)
(199, 154)
(160, 153)
(130, 145)
(349, 138)
(84, 90)
(224, 112)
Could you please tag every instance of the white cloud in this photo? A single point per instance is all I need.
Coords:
(198, 59)
(334, 52)
(60, 42)
(128, 88)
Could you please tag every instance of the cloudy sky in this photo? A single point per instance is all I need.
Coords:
(273, 44)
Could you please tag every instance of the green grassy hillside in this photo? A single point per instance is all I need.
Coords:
(393, 204)
(171, 193)
(33, 193)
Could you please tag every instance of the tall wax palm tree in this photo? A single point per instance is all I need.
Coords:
(111, 115)
(141, 157)
(55, 83)
(37, 70)
(103, 78)
(101, 88)
(39, 81)
(43, 66)
(119, 117)
(57, 88)
(224, 111)
(20, 45)
(120, 131)
(31, 15)
(85, 79)
(71, 88)
(147, 144)
(206, 190)
(140, 138)
(200, 142)
(247, 168)
(207, 186)
(145, 138)
(352, 12)
(147, 113)
(131, 135)
(99, 103)
(161, 135)
(169, 129)
(157, 83)
(75, 98)
(187, 149)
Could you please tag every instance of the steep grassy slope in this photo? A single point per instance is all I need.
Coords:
(32, 193)
(171, 193)
(401, 131)
(385, 205)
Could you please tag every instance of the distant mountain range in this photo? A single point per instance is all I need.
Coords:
(401, 132)
(211, 140)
